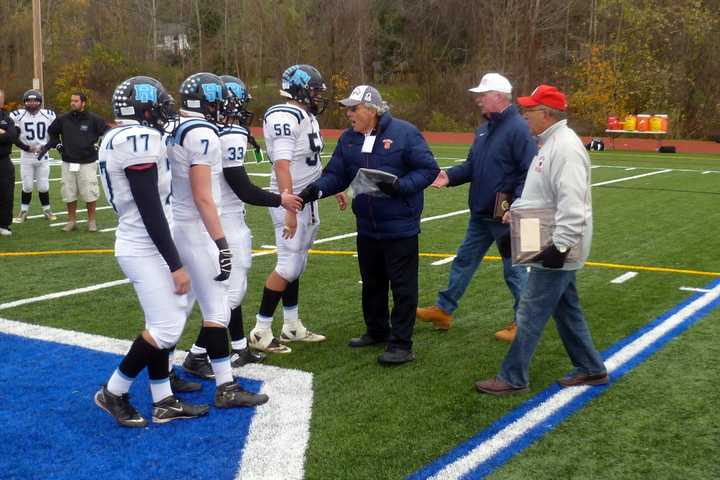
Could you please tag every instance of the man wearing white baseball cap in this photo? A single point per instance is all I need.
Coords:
(495, 167)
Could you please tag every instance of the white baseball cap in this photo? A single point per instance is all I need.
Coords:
(367, 95)
(493, 82)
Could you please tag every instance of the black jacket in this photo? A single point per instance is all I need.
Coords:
(8, 138)
(78, 132)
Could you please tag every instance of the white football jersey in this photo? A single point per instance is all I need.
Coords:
(234, 140)
(33, 128)
(122, 147)
(293, 134)
(194, 142)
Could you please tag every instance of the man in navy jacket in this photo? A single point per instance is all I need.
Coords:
(388, 222)
(497, 163)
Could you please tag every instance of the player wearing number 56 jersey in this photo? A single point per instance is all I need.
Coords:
(136, 178)
(32, 123)
(294, 143)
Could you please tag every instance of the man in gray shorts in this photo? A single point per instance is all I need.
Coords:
(75, 135)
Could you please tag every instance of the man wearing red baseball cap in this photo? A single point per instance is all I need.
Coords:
(558, 179)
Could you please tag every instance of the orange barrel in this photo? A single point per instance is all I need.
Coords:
(613, 123)
(656, 124)
(630, 123)
(643, 122)
(663, 122)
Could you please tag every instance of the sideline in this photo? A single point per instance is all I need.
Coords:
(507, 437)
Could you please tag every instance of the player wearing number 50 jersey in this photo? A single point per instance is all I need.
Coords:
(33, 122)
(294, 143)
(136, 178)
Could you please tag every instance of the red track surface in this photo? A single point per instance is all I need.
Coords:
(621, 143)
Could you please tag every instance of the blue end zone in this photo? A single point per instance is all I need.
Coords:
(504, 455)
(50, 426)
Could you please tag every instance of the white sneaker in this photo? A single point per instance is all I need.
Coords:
(49, 215)
(5, 232)
(21, 217)
(297, 332)
(264, 341)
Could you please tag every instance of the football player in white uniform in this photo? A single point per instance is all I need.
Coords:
(292, 137)
(236, 190)
(195, 158)
(33, 122)
(136, 178)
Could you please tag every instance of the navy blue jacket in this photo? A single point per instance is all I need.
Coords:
(399, 149)
(498, 160)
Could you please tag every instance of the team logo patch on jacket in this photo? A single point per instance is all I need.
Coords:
(387, 143)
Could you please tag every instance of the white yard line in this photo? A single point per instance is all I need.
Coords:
(443, 261)
(625, 179)
(624, 277)
(693, 289)
(258, 254)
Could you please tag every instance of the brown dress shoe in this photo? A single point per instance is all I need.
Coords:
(497, 387)
(507, 334)
(440, 318)
(584, 379)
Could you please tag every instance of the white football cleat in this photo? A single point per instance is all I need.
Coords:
(265, 341)
(297, 332)
(21, 216)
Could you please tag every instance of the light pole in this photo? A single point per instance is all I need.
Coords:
(37, 47)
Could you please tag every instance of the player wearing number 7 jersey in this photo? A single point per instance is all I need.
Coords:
(292, 137)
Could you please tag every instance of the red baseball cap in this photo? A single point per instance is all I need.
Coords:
(544, 95)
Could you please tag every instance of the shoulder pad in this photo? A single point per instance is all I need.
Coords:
(287, 111)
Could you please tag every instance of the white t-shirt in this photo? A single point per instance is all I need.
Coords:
(194, 142)
(293, 134)
(123, 147)
(234, 140)
(33, 128)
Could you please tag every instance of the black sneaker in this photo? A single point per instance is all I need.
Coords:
(231, 394)
(119, 407)
(180, 385)
(198, 365)
(243, 356)
(171, 408)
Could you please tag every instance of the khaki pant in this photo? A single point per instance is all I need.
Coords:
(82, 183)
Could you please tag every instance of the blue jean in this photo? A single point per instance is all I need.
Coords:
(481, 233)
(550, 292)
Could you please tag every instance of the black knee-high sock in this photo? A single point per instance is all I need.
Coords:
(158, 364)
(290, 295)
(269, 302)
(237, 331)
(217, 342)
(140, 354)
(44, 198)
(201, 341)
(25, 197)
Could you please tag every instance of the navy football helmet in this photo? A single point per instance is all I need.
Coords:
(238, 96)
(144, 99)
(31, 95)
(305, 84)
(203, 93)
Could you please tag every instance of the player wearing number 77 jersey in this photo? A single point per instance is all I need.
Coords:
(292, 137)
(136, 179)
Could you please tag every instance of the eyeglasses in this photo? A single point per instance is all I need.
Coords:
(353, 108)
(536, 109)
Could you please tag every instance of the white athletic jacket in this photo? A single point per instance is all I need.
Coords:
(559, 178)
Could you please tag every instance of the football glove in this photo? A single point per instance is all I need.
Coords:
(551, 257)
(309, 194)
(224, 259)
